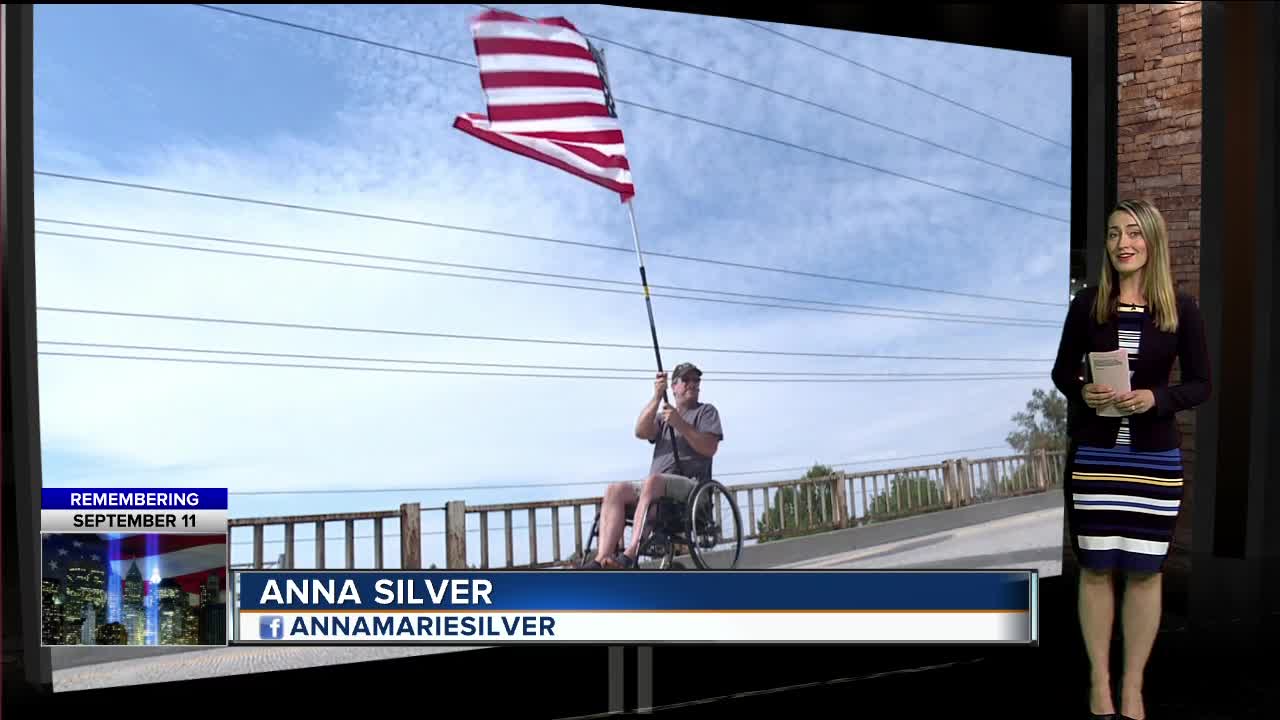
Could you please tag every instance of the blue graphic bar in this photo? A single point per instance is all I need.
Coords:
(568, 590)
(133, 499)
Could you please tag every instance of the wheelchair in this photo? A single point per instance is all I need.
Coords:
(707, 526)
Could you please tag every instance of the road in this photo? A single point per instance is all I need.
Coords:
(177, 664)
(1027, 540)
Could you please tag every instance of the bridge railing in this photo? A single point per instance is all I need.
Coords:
(769, 511)
(843, 500)
(407, 545)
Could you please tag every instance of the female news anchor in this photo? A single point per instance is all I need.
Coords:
(1124, 474)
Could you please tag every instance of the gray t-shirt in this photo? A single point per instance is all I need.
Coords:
(704, 418)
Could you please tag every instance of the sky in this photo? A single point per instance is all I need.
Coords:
(190, 98)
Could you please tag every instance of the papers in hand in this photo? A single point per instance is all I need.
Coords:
(1111, 369)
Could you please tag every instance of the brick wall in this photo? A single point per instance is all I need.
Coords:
(1158, 147)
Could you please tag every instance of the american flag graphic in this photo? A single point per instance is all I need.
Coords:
(187, 559)
(548, 98)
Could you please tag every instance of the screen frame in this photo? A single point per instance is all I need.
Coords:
(1086, 34)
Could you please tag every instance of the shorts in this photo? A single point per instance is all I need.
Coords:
(676, 487)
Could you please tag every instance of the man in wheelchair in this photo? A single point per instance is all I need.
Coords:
(698, 435)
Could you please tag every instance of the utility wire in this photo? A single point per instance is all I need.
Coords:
(385, 536)
(939, 317)
(340, 36)
(463, 488)
(860, 462)
(850, 161)
(714, 372)
(912, 85)
(519, 236)
(419, 371)
(811, 103)
(394, 258)
(540, 341)
(661, 111)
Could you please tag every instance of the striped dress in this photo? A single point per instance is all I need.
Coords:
(1124, 503)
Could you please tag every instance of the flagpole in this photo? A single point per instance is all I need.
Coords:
(653, 329)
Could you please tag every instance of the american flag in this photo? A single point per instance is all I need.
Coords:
(548, 98)
(187, 559)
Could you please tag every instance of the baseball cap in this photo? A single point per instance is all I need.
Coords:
(684, 369)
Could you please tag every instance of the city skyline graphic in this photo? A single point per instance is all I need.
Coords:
(146, 589)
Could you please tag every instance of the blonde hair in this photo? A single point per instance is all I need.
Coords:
(1157, 276)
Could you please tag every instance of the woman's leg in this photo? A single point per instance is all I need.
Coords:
(1097, 602)
(1140, 622)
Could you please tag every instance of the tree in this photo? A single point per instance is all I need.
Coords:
(1042, 425)
(813, 502)
(910, 492)
(1004, 485)
(1033, 474)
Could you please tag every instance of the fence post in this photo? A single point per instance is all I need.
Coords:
(411, 536)
(1042, 468)
(257, 547)
(964, 478)
(948, 484)
(455, 534)
(841, 500)
(969, 480)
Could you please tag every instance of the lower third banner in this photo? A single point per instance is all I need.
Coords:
(447, 607)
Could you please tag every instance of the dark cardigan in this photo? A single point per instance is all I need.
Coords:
(1157, 428)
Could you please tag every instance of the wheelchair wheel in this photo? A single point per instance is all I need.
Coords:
(715, 528)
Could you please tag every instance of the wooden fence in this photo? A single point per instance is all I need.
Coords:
(769, 511)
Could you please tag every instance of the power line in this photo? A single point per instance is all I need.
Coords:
(909, 84)
(340, 36)
(939, 317)
(583, 483)
(859, 462)
(629, 283)
(689, 118)
(820, 106)
(519, 236)
(327, 540)
(418, 371)
(539, 341)
(714, 372)
(391, 536)
(385, 536)
(850, 161)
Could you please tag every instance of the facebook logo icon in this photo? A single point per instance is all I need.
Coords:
(271, 627)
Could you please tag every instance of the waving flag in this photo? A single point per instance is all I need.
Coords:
(548, 98)
(187, 559)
